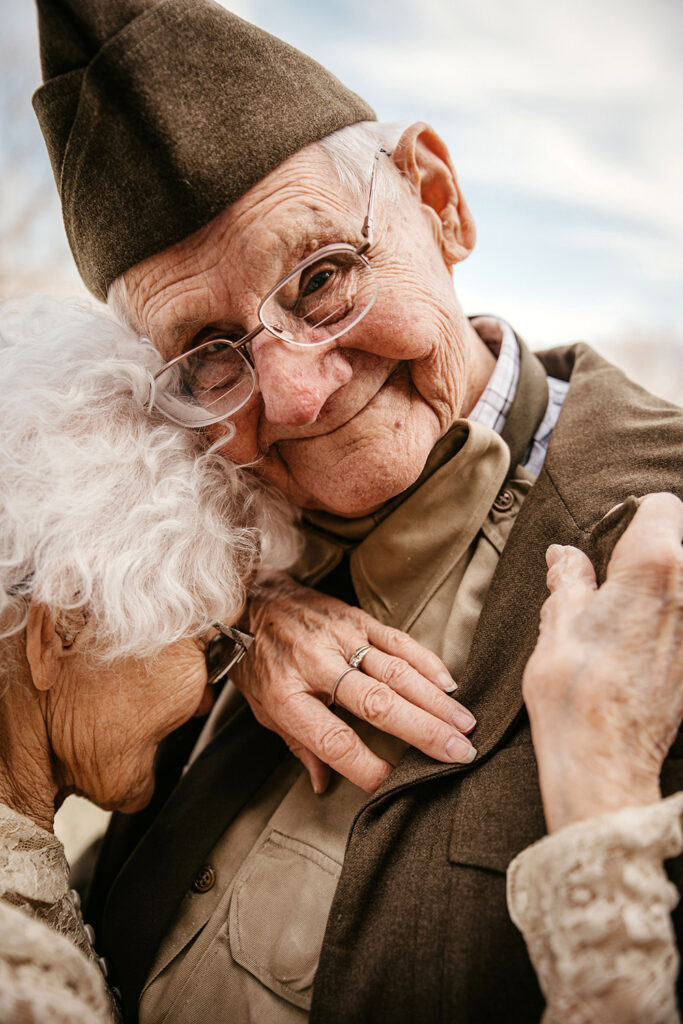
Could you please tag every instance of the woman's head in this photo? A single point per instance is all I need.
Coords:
(119, 534)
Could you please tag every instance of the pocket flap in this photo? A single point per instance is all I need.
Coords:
(499, 810)
(278, 914)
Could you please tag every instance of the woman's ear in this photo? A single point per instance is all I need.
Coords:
(423, 158)
(44, 647)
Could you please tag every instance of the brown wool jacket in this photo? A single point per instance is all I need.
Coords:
(419, 931)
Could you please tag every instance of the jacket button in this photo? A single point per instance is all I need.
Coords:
(205, 880)
(504, 501)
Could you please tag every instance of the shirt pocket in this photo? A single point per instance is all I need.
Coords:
(499, 810)
(278, 914)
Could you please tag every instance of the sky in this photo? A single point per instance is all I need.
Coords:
(565, 124)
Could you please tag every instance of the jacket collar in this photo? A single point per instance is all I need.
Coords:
(577, 486)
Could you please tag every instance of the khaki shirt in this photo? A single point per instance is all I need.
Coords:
(247, 947)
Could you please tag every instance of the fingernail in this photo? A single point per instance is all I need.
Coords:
(464, 719)
(460, 749)
(447, 682)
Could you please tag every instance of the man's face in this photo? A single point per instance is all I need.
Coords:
(343, 428)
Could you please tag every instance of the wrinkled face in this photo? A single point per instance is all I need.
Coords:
(107, 722)
(339, 428)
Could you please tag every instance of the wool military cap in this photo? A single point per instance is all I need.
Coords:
(158, 114)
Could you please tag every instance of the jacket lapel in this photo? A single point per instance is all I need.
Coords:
(505, 635)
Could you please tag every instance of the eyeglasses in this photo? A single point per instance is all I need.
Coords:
(322, 298)
(225, 650)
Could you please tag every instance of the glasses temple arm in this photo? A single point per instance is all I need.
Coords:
(367, 228)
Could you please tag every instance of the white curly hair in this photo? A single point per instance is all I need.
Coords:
(107, 508)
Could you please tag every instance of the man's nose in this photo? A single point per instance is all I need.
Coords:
(296, 382)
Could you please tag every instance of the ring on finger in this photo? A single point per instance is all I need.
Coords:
(356, 658)
(334, 688)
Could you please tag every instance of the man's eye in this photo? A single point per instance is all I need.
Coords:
(215, 347)
(316, 282)
(219, 346)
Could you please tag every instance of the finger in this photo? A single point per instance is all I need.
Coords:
(413, 687)
(377, 704)
(325, 735)
(318, 772)
(648, 554)
(567, 566)
(395, 642)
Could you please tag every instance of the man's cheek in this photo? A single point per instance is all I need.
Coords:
(239, 434)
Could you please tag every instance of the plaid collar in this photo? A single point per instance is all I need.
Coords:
(494, 403)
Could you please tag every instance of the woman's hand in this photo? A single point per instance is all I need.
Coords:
(304, 643)
(604, 686)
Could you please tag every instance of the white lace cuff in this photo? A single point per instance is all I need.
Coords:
(593, 903)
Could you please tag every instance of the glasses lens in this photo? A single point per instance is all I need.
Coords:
(221, 654)
(209, 384)
(324, 298)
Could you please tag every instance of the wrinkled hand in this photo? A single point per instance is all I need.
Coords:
(303, 643)
(604, 686)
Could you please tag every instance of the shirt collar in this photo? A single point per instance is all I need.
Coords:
(497, 397)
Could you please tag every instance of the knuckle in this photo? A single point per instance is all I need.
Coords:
(402, 643)
(336, 743)
(432, 735)
(376, 703)
(394, 673)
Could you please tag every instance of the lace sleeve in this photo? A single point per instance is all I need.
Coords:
(44, 977)
(593, 903)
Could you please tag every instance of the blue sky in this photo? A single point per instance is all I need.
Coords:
(564, 120)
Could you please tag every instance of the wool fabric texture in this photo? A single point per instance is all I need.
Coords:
(158, 114)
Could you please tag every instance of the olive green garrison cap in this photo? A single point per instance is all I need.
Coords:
(158, 114)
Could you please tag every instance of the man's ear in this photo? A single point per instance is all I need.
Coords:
(423, 158)
(44, 648)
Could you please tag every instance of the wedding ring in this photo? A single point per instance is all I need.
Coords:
(357, 657)
(334, 688)
(354, 662)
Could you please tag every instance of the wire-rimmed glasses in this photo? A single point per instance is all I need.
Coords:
(225, 650)
(321, 299)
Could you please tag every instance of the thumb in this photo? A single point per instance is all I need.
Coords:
(568, 566)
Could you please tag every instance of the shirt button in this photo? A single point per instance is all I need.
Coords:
(504, 501)
(205, 880)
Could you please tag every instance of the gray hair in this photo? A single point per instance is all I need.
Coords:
(107, 507)
(351, 150)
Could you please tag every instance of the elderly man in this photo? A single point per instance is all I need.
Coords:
(291, 261)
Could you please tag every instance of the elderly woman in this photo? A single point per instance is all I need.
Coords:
(125, 551)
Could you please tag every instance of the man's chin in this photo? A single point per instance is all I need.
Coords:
(357, 476)
(357, 486)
